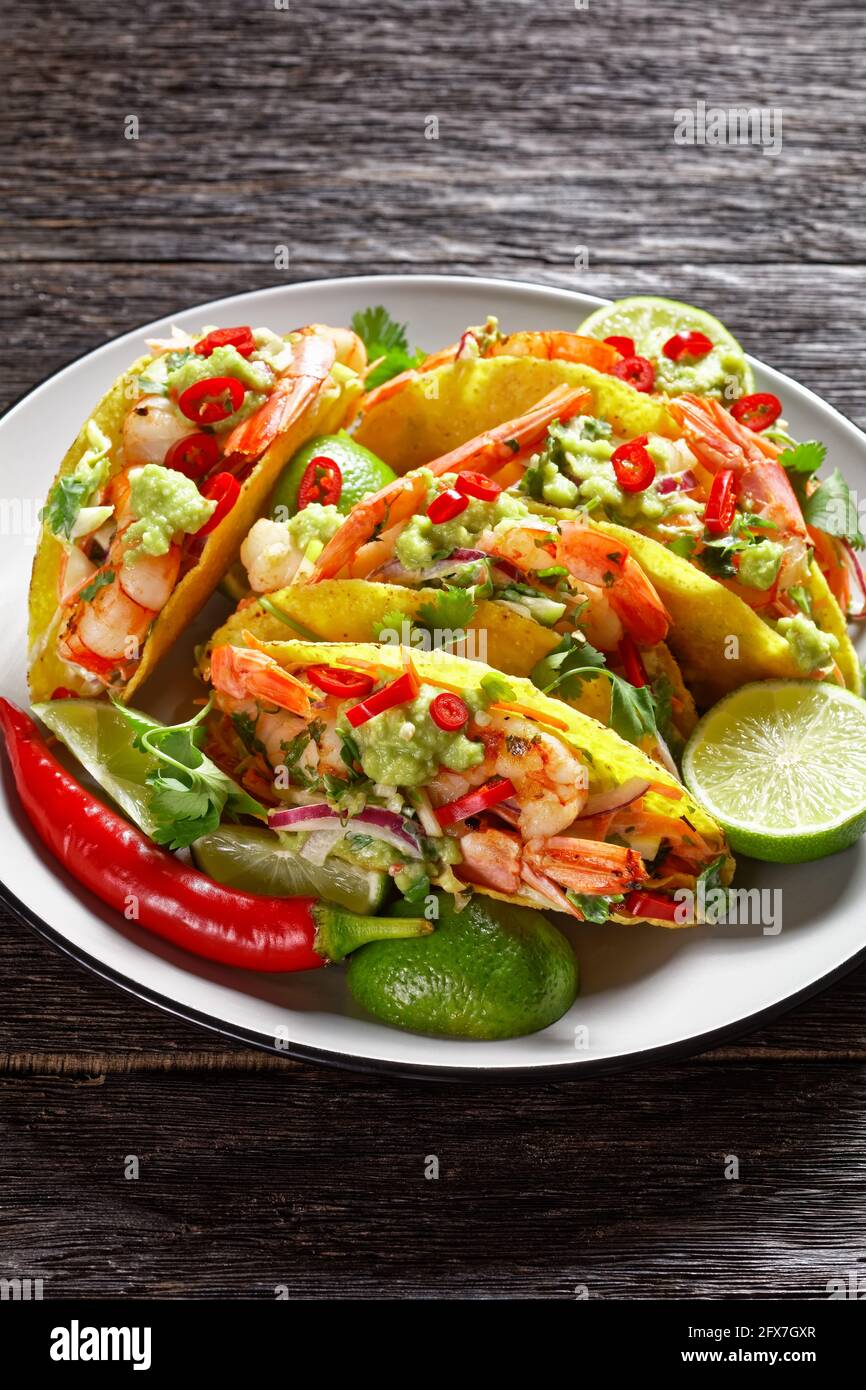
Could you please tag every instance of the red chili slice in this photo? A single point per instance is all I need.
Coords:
(757, 411)
(721, 503)
(62, 693)
(623, 345)
(225, 490)
(476, 485)
(659, 905)
(448, 712)
(194, 455)
(214, 399)
(349, 685)
(637, 371)
(241, 339)
(473, 803)
(322, 482)
(633, 466)
(693, 344)
(446, 506)
(632, 663)
(399, 692)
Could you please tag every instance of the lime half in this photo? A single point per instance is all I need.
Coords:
(253, 860)
(782, 766)
(651, 321)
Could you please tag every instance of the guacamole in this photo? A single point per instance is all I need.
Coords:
(422, 541)
(164, 503)
(223, 361)
(759, 564)
(403, 747)
(313, 523)
(812, 648)
(574, 469)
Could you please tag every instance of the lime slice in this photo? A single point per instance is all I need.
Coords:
(101, 740)
(650, 322)
(782, 766)
(252, 859)
(362, 470)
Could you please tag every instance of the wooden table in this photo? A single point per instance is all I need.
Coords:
(304, 127)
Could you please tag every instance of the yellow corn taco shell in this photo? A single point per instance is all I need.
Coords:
(328, 413)
(443, 408)
(354, 610)
(610, 760)
(719, 641)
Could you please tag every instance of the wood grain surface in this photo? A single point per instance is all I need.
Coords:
(304, 127)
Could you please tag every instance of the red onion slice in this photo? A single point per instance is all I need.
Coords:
(857, 601)
(617, 797)
(677, 482)
(381, 824)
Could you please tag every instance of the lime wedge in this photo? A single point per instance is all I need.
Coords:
(253, 859)
(782, 766)
(101, 740)
(362, 472)
(651, 321)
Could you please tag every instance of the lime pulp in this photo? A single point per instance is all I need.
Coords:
(362, 472)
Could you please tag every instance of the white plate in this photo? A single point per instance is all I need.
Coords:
(645, 991)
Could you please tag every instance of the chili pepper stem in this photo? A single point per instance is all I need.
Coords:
(339, 932)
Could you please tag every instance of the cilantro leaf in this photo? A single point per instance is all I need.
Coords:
(190, 794)
(632, 709)
(831, 508)
(594, 907)
(683, 546)
(711, 876)
(452, 608)
(804, 458)
(98, 582)
(392, 620)
(386, 339)
(64, 503)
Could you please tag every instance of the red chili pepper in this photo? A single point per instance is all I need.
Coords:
(322, 482)
(635, 672)
(214, 399)
(225, 489)
(633, 466)
(449, 712)
(637, 371)
(757, 411)
(473, 803)
(622, 345)
(349, 685)
(398, 692)
(476, 485)
(148, 885)
(194, 455)
(446, 506)
(694, 344)
(241, 339)
(644, 904)
(63, 693)
(721, 503)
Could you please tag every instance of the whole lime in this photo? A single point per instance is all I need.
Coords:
(489, 971)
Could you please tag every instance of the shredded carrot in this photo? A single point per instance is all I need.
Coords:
(530, 714)
(661, 789)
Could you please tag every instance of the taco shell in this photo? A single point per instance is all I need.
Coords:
(329, 411)
(719, 641)
(610, 759)
(353, 610)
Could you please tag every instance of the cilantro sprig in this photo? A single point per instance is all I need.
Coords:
(190, 794)
(828, 506)
(383, 337)
(574, 661)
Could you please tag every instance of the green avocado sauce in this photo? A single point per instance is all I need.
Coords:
(404, 747)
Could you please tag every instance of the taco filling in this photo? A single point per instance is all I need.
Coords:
(394, 767)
